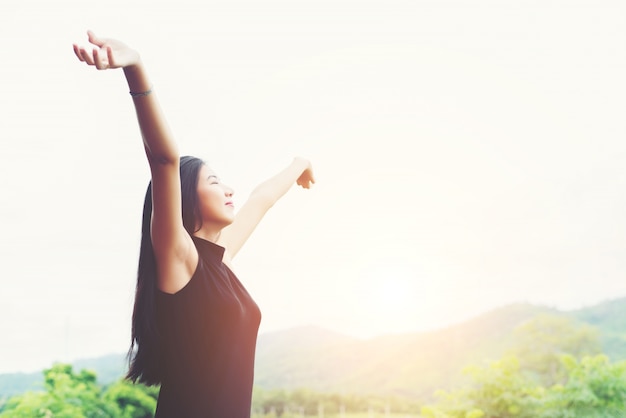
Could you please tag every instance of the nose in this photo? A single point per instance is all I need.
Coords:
(228, 191)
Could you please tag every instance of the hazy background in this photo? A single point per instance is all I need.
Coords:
(469, 154)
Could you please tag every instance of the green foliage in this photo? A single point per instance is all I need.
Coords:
(522, 385)
(499, 390)
(541, 341)
(133, 400)
(77, 395)
(609, 318)
(281, 403)
(550, 372)
(593, 388)
(68, 395)
(408, 365)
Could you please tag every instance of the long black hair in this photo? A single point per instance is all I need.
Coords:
(144, 355)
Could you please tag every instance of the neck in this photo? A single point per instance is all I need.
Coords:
(209, 235)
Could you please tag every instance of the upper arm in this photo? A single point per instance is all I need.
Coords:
(235, 235)
(175, 254)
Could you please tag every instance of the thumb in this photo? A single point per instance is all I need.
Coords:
(94, 39)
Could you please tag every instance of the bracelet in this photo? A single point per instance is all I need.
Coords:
(143, 93)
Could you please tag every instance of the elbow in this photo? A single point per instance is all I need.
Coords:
(162, 158)
(168, 160)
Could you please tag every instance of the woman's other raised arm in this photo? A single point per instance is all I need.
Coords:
(262, 198)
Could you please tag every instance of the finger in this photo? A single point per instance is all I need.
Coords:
(97, 61)
(86, 56)
(77, 52)
(94, 39)
(110, 57)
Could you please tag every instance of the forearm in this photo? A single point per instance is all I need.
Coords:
(271, 190)
(157, 137)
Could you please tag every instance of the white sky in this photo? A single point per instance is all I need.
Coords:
(469, 154)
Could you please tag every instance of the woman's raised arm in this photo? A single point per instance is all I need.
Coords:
(262, 198)
(175, 253)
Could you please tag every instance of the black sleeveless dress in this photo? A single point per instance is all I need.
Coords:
(208, 334)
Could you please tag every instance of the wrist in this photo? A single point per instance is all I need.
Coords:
(137, 78)
(302, 161)
(135, 69)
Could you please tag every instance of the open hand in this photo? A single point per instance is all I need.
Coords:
(107, 53)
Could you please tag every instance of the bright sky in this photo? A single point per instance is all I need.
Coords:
(469, 154)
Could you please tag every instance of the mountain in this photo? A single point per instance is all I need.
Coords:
(109, 368)
(414, 365)
(409, 365)
(610, 319)
(16, 383)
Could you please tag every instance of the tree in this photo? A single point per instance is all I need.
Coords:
(68, 395)
(541, 341)
(499, 390)
(77, 395)
(595, 389)
(592, 388)
(133, 400)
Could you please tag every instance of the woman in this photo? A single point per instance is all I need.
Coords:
(194, 325)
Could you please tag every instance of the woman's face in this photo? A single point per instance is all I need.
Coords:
(215, 199)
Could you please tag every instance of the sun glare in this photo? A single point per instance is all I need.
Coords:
(390, 300)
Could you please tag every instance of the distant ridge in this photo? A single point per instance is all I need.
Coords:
(416, 364)
(406, 364)
(610, 319)
(16, 383)
(411, 365)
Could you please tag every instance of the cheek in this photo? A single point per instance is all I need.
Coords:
(210, 201)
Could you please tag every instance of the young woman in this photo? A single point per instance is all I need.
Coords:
(194, 325)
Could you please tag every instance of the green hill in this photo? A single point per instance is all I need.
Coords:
(409, 365)
(610, 319)
(109, 368)
(16, 383)
(414, 365)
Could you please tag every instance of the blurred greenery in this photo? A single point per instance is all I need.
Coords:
(520, 362)
(554, 370)
(540, 342)
(592, 388)
(77, 395)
